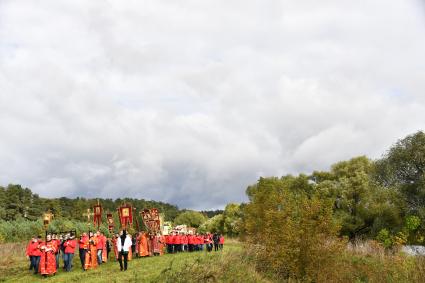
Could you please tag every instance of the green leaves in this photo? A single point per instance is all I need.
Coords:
(412, 223)
(403, 168)
(190, 218)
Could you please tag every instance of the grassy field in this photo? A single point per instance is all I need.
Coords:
(14, 268)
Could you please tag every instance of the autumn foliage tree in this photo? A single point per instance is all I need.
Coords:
(292, 228)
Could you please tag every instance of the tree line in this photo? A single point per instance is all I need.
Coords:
(17, 202)
(299, 225)
(369, 198)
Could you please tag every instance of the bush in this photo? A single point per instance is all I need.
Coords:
(292, 232)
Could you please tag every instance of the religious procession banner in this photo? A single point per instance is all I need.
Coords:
(125, 213)
(47, 218)
(151, 219)
(97, 215)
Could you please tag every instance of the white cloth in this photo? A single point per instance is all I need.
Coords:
(127, 244)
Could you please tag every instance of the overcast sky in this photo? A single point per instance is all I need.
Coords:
(189, 102)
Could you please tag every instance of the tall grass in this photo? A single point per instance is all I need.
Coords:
(228, 266)
(365, 262)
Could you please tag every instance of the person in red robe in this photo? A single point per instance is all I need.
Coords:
(138, 236)
(155, 244)
(161, 244)
(143, 245)
(47, 264)
(221, 242)
(149, 238)
(130, 253)
(114, 244)
(91, 254)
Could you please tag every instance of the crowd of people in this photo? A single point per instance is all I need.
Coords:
(94, 248)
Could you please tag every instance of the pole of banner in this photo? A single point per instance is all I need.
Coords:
(47, 217)
(137, 220)
(89, 251)
(88, 214)
(45, 252)
(97, 217)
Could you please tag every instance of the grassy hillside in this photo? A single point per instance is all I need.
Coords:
(167, 268)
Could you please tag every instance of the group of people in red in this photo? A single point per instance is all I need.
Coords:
(44, 255)
(181, 242)
(94, 248)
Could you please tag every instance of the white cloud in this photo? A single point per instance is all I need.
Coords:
(189, 102)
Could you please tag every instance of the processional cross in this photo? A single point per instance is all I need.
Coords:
(88, 214)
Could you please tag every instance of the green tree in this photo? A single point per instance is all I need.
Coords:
(232, 220)
(190, 218)
(403, 168)
(213, 225)
(291, 228)
(361, 206)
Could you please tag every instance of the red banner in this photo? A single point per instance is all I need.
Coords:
(97, 214)
(151, 219)
(125, 213)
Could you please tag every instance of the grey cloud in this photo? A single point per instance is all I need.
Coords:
(191, 102)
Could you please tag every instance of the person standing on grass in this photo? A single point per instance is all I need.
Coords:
(63, 239)
(102, 238)
(155, 244)
(143, 245)
(47, 264)
(99, 247)
(201, 242)
(183, 242)
(105, 248)
(108, 248)
(123, 247)
(209, 242)
(196, 242)
(91, 254)
(216, 240)
(161, 244)
(33, 253)
(167, 243)
(56, 242)
(172, 243)
(221, 242)
(130, 252)
(114, 245)
(177, 242)
(69, 251)
(133, 244)
(83, 244)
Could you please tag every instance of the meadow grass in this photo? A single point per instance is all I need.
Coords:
(14, 267)
(233, 264)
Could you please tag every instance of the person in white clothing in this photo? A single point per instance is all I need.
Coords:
(123, 246)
